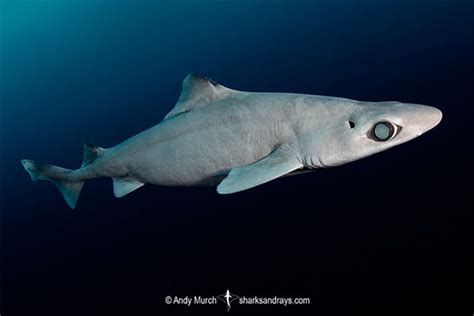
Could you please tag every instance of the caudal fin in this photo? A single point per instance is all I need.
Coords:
(41, 171)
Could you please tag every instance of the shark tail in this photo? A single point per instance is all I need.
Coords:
(59, 176)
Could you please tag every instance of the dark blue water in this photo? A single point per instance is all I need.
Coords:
(375, 235)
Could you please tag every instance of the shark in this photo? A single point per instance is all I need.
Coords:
(228, 298)
(237, 140)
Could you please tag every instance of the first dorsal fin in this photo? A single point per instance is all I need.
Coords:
(91, 152)
(198, 91)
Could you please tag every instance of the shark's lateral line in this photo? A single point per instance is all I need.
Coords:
(238, 140)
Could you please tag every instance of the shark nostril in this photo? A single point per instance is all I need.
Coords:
(351, 124)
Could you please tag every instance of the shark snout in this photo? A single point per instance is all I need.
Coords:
(429, 118)
(435, 116)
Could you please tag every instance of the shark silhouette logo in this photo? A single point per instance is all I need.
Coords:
(227, 298)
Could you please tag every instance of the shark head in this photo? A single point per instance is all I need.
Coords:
(365, 128)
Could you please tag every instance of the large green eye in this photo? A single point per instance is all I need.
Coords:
(383, 131)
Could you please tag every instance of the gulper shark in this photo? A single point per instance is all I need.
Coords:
(238, 140)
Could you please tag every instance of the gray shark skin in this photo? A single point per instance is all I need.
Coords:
(238, 140)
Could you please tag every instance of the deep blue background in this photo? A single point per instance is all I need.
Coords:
(373, 236)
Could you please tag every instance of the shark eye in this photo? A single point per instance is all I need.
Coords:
(383, 131)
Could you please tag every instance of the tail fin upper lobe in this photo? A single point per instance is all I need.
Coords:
(41, 171)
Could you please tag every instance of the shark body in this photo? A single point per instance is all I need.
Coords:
(238, 140)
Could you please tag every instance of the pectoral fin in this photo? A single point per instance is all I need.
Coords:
(278, 163)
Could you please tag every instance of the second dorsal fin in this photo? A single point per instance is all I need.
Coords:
(198, 91)
(91, 153)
